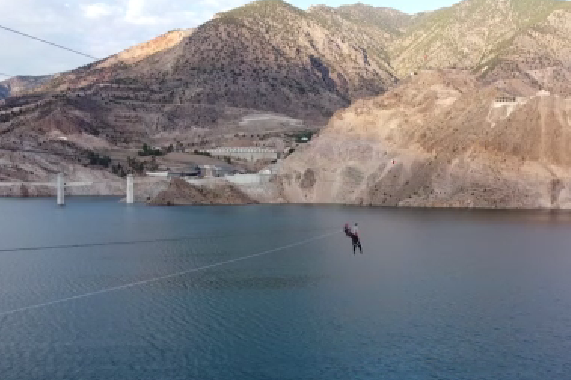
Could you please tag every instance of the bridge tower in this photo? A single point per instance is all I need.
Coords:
(60, 186)
(130, 193)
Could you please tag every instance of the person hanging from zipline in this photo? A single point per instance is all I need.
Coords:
(354, 235)
(347, 230)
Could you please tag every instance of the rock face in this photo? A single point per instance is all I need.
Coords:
(440, 140)
(180, 192)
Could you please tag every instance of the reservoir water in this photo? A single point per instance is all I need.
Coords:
(437, 294)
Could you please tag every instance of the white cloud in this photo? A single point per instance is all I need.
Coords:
(96, 27)
(97, 10)
(137, 13)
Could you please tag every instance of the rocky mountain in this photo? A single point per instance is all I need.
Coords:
(521, 45)
(270, 58)
(480, 117)
(500, 40)
(441, 139)
(21, 84)
(266, 56)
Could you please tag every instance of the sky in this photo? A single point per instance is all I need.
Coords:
(105, 27)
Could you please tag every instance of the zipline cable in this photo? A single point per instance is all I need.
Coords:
(47, 42)
(160, 278)
(148, 241)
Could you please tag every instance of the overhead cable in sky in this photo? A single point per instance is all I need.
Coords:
(47, 42)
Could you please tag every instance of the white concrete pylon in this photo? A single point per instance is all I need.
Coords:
(60, 189)
(130, 194)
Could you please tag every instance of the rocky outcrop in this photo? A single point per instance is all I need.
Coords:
(21, 84)
(440, 140)
(181, 192)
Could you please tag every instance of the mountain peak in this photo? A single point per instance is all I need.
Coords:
(262, 7)
(141, 51)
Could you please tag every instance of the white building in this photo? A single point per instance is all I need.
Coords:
(163, 174)
(251, 154)
(214, 171)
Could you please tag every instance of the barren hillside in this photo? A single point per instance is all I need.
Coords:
(265, 56)
(441, 139)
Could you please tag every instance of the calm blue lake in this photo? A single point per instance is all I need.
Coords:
(453, 295)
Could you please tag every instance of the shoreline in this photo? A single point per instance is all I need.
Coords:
(122, 199)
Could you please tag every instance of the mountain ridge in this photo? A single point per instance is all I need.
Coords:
(271, 58)
(482, 35)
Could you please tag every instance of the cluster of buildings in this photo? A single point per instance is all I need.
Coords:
(249, 154)
(510, 100)
(199, 171)
(266, 151)
(210, 175)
